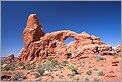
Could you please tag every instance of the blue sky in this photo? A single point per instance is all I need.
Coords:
(102, 19)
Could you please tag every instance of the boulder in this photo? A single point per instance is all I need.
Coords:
(4, 65)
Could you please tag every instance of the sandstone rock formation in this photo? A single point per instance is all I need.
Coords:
(33, 30)
(38, 45)
(10, 58)
(118, 49)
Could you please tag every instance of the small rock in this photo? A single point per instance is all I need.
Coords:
(35, 75)
(4, 65)
(114, 64)
(46, 72)
(111, 75)
(20, 67)
(116, 61)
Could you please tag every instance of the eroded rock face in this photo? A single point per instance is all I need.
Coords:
(118, 49)
(38, 45)
(10, 58)
(33, 30)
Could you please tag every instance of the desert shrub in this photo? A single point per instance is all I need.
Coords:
(28, 72)
(86, 78)
(99, 58)
(96, 79)
(20, 63)
(64, 63)
(71, 68)
(89, 72)
(28, 67)
(95, 69)
(70, 75)
(61, 76)
(36, 74)
(3, 62)
(51, 76)
(60, 67)
(45, 66)
(19, 76)
(82, 65)
(52, 62)
(100, 73)
(9, 67)
(77, 78)
(49, 67)
(41, 71)
(111, 71)
(90, 67)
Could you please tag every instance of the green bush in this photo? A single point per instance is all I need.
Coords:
(100, 73)
(28, 72)
(90, 67)
(99, 58)
(61, 76)
(28, 67)
(45, 66)
(89, 72)
(20, 64)
(60, 67)
(36, 74)
(51, 76)
(3, 62)
(111, 71)
(52, 61)
(73, 69)
(64, 63)
(41, 71)
(86, 78)
(9, 67)
(70, 75)
(19, 76)
(95, 69)
(96, 79)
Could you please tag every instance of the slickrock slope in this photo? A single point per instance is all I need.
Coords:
(38, 45)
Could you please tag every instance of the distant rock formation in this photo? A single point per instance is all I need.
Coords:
(118, 49)
(10, 58)
(38, 45)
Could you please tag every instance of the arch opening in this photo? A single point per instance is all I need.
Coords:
(68, 40)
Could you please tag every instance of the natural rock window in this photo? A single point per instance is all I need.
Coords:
(68, 40)
(56, 44)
